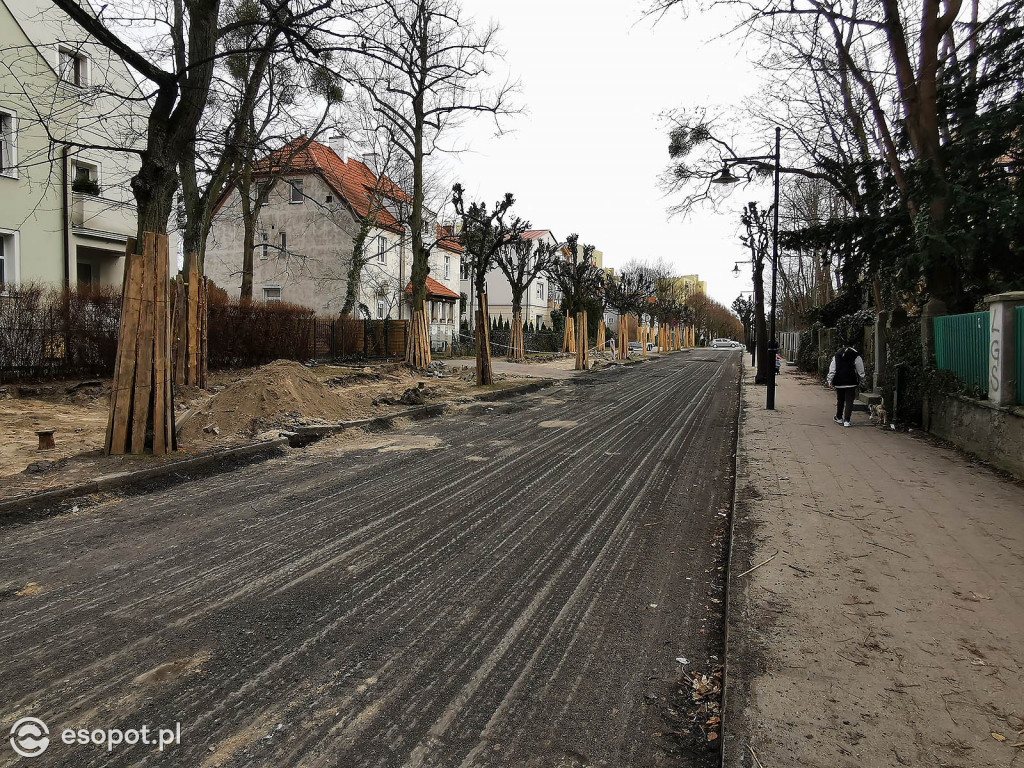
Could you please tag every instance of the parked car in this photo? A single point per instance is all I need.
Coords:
(724, 344)
(635, 346)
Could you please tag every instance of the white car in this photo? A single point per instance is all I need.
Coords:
(724, 344)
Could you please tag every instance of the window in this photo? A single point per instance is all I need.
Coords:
(284, 241)
(447, 267)
(72, 67)
(259, 189)
(382, 249)
(296, 185)
(540, 290)
(85, 177)
(380, 310)
(8, 263)
(465, 272)
(8, 144)
(271, 294)
(264, 252)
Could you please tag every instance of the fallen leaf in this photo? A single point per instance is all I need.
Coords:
(712, 736)
(998, 736)
(714, 721)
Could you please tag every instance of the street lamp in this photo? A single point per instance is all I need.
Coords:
(726, 177)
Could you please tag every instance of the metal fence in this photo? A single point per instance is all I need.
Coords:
(1018, 335)
(348, 337)
(961, 346)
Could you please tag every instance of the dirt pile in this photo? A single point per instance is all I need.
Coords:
(279, 394)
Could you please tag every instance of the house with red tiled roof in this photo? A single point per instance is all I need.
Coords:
(306, 230)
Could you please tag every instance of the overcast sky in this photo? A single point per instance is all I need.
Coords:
(586, 156)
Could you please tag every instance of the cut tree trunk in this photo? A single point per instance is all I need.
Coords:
(483, 342)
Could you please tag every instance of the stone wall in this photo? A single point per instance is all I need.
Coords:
(995, 435)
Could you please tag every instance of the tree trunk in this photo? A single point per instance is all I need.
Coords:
(483, 342)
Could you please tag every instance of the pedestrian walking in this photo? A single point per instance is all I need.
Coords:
(845, 374)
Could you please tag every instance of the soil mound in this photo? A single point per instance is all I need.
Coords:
(275, 395)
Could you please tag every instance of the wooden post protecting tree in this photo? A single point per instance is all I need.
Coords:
(141, 402)
(582, 358)
(189, 327)
(600, 335)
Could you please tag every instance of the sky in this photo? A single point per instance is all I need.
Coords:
(586, 155)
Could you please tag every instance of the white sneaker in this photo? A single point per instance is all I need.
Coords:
(847, 424)
(837, 420)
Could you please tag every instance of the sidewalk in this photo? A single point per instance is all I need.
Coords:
(889, 628)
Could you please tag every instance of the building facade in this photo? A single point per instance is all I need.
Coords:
(66, 207)
(306, 231)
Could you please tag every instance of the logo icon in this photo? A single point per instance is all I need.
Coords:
(30, 737)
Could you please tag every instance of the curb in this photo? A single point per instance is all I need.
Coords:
(29, 502)
(296, 438)
(727, 604)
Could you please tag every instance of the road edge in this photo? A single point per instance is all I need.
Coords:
(727, 714)
(224, 457)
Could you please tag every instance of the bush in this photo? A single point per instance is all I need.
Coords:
(807, 354)
(58, 333)
(254, 333)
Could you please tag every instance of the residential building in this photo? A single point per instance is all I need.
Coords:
(66, 208)
(539, 299)
(306, 231)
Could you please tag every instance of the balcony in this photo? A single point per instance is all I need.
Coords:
(102, 219)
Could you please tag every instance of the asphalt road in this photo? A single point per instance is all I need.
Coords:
(506, 586)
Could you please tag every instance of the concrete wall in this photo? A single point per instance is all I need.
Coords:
(995, 435)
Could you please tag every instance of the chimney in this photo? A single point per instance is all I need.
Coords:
(372, 160)
(338, 144)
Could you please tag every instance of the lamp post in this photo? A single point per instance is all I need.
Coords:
(726, 177)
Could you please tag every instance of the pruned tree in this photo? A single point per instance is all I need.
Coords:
(484, 234)
(578, 280)
(626, 293)
(522, 261)
(743, 306)
(423, 68)
(757, 238)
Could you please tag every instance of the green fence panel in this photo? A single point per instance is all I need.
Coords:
(1018, 345)
(961, 346)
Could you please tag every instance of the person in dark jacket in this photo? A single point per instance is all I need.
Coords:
(844, 374)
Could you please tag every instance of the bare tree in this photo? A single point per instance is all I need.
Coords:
(483, 236)
(424, 68)
(522, 261)
(757, 238)
(578, 280)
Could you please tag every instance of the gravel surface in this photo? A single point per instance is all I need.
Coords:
(511, 585)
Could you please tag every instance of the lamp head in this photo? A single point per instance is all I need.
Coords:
(725, 177)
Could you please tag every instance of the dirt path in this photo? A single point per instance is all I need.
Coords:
(889, 628)
(511, 586)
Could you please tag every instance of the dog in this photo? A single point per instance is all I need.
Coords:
(878, 415)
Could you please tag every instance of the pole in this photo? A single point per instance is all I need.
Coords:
(772, 343)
